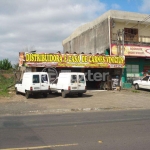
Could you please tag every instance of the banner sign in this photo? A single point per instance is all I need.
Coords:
(132, 50)
(70, 60)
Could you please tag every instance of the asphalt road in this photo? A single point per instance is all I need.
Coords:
(112, 130)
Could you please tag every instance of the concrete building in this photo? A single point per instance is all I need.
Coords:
(116, 33)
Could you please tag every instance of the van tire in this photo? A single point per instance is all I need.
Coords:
(27, 95)
(63, 94)
(16, 91)
(80, 94)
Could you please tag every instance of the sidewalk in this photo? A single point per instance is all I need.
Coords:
(93, 100)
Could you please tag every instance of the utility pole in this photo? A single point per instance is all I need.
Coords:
(120, 42)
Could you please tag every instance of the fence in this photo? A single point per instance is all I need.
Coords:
(132, 38)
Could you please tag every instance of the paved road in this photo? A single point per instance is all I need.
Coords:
(91, 101)
(98, 130)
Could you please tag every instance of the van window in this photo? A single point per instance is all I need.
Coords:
(81, 78)
(44, 78)
(35, 78)
(73, 78)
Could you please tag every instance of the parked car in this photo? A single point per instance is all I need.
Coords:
(69, 83)
(33, 83)
(143, 83)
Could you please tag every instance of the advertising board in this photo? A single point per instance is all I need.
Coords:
(70, 60)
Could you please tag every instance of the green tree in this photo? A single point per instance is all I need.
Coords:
(5, 64)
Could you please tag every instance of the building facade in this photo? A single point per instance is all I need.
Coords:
(116, 33)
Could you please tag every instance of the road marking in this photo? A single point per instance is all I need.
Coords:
(40, 147)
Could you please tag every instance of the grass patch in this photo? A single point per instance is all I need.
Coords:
(135, 91)
(5, 83)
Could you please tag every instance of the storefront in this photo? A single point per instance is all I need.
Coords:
(97, 68)
(136, 68)
(137, 62)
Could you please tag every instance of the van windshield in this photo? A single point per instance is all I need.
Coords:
(35, 78)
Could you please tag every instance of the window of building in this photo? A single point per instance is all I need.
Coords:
(132, 70)
(131, 34)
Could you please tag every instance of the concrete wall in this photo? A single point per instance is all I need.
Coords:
(94, 40)
(94, 36)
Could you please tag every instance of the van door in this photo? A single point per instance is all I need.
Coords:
(53, 85)
(81, 82)
(36, 82)
(44, 82)
(74, 84)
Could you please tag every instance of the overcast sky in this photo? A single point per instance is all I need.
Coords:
(43, 24)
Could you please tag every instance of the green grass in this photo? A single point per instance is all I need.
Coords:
(135, 91)
(4, 84)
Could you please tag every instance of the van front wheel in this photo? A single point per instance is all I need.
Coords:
(63, 94)
(27, 94)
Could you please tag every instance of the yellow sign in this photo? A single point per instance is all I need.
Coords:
(73, 60)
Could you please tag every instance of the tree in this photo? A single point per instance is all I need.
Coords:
(5, 64)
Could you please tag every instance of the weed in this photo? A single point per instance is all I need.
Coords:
(135, 91)
(5, 83)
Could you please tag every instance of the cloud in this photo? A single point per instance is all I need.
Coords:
(115, 6)
(145, 6)
(42, 24)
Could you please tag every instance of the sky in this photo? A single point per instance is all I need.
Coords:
(42, 25)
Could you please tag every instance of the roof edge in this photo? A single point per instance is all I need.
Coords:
(111, 13)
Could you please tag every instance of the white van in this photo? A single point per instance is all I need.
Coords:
(33, 83)
(69, 83)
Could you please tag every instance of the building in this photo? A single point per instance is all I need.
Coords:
(116, 33)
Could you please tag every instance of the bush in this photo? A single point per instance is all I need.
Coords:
(5, 64)
(5, 83)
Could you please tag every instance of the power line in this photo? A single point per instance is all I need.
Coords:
(144, 20)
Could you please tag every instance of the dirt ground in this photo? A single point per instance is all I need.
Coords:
(92, 100)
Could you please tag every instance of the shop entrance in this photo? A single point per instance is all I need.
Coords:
(103, 78)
